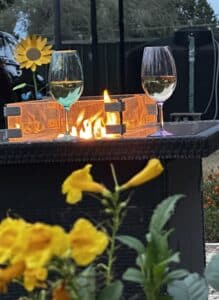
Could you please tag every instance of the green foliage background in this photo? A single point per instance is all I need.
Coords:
(143, 18)
(211, 206)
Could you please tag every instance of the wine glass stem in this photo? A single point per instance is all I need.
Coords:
(67, 131)
(160, 114)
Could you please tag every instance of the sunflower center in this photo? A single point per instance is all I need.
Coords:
(33, 54)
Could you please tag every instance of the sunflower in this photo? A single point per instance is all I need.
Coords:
(32, 52)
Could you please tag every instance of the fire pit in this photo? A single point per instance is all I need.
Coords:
(32, 171)
(90, 118)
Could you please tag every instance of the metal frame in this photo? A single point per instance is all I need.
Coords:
(94, 37)
(119, 107)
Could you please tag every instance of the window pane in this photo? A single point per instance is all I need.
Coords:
(75, 16)
(107, 20)
(153, 19)
(32, 17)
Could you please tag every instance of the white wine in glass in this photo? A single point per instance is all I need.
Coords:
(66, 81)
(158, 78)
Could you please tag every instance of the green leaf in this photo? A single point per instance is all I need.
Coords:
(162, 213)
(177, 274)
(112, 291)
(132, 242)
(133, 275)
(141, 260)
(87, 284)
(173, 258)
(19, 86)
(212, 272)
(193, 287)
(165, 297)
(42, 295)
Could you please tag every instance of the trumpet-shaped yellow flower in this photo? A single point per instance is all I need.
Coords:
(10, 273)
(60, 293)
(81, 181)
(150, 171)
(42, 242)
(35, 278)
(11, 231)
(33, 52)
(86, 242)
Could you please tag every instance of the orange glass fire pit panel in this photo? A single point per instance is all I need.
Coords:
(44, 119)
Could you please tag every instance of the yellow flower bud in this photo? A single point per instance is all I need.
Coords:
(60, 293)
(123, 204)
(108, 211)
(150, 171)
(104, 202)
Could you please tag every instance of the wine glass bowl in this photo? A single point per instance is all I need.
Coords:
(158, 78)
(66, 81)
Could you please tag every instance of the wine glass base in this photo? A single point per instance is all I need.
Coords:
(66, 137)
(160, 133)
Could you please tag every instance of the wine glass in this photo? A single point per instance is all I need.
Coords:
(158, 78)
(66, 81)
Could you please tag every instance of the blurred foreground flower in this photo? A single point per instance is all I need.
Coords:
(10, 273)
(30, 252)
(11, 231)
(86, 242)
(60, 293)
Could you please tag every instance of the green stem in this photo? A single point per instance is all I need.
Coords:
(114, 175)
(115, 227)
(151, 292)
(151, 296)
(109, 274)
(35, 84)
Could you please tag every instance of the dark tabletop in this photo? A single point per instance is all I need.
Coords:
(194, 139)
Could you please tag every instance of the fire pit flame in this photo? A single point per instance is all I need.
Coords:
(94, 127)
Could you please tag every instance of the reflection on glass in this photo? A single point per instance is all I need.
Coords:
(158, 78)
(66, 80)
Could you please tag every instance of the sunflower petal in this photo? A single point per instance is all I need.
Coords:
(23, 65)
(21, 59)
(42, 44)
(49, 46)
(29, 64)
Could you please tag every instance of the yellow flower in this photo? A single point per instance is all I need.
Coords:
(11, 231)
(86, 242)
(33, 52)
(60, 293)
(81, 181)
(10, 273)
(42, 242)
(35, 278)
(150, 171)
